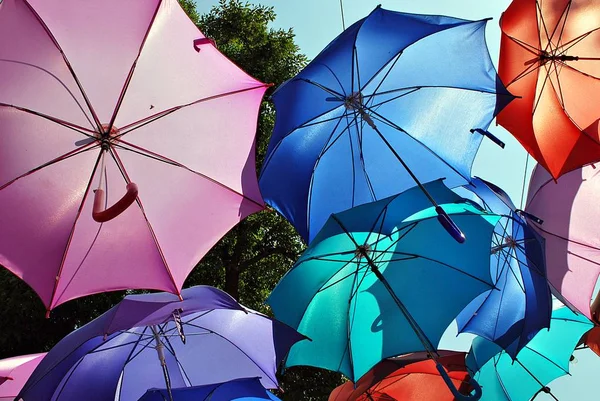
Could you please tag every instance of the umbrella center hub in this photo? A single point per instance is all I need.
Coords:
(107, 137)
(546, 56)
(362, 251)
(354, 101)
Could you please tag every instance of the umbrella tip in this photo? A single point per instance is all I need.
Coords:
(180, 297)
(47, 313)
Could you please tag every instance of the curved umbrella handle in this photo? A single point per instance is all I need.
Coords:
(457, 394)
(102, 216)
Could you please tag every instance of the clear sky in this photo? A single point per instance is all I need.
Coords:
(317, 22)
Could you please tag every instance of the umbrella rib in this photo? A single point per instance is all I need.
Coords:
(533, 67)
(392, 65)
(66, 124)
(132, 69)
(326, 147)
(396, 127)
(58, 159)
(362, 161)
(556, 67)
(539, 97)
(526, 46)
(544, 357)
(155, 156)
(349, 321)
(563, 17)
(568, 45)
(72, 232)
(68, 64)
(570, 240)
(274, 380)
(353, 166)
(548, 37)
(170, 348)
(147, 120)
(323, 87)
(121, 167)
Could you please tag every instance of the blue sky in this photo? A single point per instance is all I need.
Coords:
(317, 22)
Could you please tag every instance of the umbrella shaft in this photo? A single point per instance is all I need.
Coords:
(413, 324)
(161, 357)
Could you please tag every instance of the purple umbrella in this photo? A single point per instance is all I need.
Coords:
(155, 340)
(569, 210)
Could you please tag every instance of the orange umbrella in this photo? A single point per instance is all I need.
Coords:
(550, 59)
(408, 378)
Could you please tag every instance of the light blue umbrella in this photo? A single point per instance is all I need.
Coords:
(544, 359)
(384, 279)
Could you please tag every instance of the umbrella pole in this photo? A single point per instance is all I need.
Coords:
(160, 349)
(418, 331)
(443, 217)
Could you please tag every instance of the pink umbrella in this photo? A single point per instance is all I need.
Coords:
(570, 213)
(14, 372)
(98, 98)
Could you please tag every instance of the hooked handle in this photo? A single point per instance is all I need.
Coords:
(457, 394)
(449, 225)
(102, 216)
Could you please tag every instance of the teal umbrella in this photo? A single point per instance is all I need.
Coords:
(545, 358)
(384, 279)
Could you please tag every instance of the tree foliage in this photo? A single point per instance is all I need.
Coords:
(249, 261)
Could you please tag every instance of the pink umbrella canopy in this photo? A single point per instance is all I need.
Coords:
(126, 146)
(570, 214)
(14, 372)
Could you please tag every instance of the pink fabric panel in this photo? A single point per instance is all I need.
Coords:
(101, 40)
(188, 213)
(569, 210)
(115, 255)
(30, 65)
(36, 218)
(19, 369)
(214, 138)
(170, 72)
(28, 141)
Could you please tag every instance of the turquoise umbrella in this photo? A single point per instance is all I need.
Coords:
(544, 359)
(384, 279)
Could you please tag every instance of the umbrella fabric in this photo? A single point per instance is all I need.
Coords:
(521, 304)
(376, 97)
(568, 208)
(550, 59)
(337, 293)
(14, 372)
(242, 389)
(417, 380)
(544, 359)
(102, 98)
(115, 356)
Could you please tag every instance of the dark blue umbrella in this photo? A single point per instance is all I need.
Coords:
(521, 304)
(241, 389)
(156, 340)
(395, 100)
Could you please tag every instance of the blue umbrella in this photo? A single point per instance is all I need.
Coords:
(397, 99)
(384, 279)
(248, 389)
(544, 359)
(521, 304)
(156, 340)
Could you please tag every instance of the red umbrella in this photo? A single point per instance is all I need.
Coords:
(409, 378)
(549, 58)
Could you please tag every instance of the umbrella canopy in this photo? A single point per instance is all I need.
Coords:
(544, 359)
(376, 112)
(155, 340)
(248, 389)
(416, 380)
(521, 305)
(14, 372)
(366, 287)
(568, 209)
(106, 97)
(550, 59)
